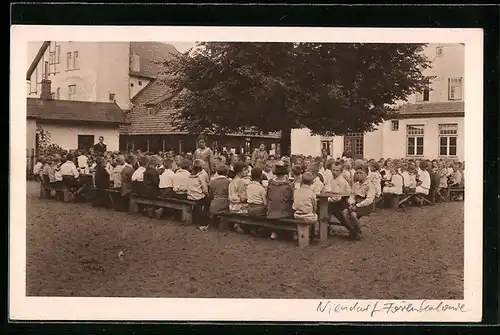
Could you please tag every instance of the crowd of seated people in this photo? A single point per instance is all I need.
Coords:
(278, 188)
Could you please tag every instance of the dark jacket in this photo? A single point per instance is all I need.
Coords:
(126, 174)
(279, 199)
(100, 147)
(101, 178)
(150, 183)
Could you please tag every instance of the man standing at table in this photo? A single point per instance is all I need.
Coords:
(100, 147)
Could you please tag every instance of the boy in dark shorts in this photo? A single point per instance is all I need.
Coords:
(360, 201)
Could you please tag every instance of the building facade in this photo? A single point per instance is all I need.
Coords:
(430, 123)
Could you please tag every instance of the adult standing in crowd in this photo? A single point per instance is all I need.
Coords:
(260, 153)
(206, 154)
(100, 147)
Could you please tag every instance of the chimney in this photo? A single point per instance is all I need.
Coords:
(46, 93)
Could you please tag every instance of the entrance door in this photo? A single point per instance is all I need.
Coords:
(327, 146)
(354, 145)
(85, 141)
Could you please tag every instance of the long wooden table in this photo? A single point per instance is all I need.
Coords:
(324, 215)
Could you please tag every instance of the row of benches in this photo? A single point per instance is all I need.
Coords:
(303, 229)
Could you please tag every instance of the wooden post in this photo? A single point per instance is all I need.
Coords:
(163, 143)
(324, 218)
(302, 235)
(147, 141)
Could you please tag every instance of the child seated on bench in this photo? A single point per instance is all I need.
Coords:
(395, 186)
(337, 204)
(150, 189)
(256, 194)
(181, 180)
(70, 173)
(360, 201)
(279, 195)
(219, 192)
(317, 185)
(197, 190)
(304, 200)
(101, 183)
(116, 176)
(424, 183)
(167, 179)
(138, 175)
(37, 169)
(238, 191)
(126, 182)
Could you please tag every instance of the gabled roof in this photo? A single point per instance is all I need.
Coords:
(150, 53)
(77, 111)
(430, 109)
(37, 58)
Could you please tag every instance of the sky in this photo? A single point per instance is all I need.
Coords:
(182, 46)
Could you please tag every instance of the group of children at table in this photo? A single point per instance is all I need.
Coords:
(276, 189)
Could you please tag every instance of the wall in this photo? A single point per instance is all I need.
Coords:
(450, 65)
(136, 88)
(66, 136)
(30, 134)
(112, 73)
(302, 142)
(84, 76)
(394, 142)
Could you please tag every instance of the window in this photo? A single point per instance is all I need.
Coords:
(354, 145)
(448, 139)
(395, 125)
(52, 57)
(327, 146)
(85, 141)
(415, 140)
(424, 95)
(75, 60)
(140, 83)
(58, 93)
(439, 51)
(45, 70)
(53, 95)
(131, 84)
(454, 88)
(71, 92)
(68, 61)
(58, 54)
(112, 97)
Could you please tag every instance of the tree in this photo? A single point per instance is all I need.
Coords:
(330, 88)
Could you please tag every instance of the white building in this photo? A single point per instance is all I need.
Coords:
(93, 72)
(431, 123)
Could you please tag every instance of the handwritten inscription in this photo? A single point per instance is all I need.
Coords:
(378, 308)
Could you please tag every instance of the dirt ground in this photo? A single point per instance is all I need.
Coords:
(77, 250)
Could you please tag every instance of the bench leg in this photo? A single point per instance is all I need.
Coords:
(42, 191)
(66, 196)
(187, 215)
(133, 208)
(302, 235)
(323, 230)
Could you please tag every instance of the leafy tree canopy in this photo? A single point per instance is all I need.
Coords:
(330, 88)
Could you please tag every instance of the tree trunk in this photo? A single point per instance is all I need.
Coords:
(285, 141)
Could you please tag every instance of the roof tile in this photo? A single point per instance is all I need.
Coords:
(70, 110)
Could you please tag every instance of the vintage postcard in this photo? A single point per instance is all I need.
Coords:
(246, 174)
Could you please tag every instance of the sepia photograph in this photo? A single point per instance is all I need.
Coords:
(327, 171)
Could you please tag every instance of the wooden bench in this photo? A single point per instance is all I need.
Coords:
(406, 197)
(46, 188)
(185, 206)
(302, 228)
(110, 194)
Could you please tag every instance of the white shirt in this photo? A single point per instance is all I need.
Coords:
(83, 161)
(69, 169)
(327, 178)
(167, 179)
(37, 168)
(426, 180)
(138, 174)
